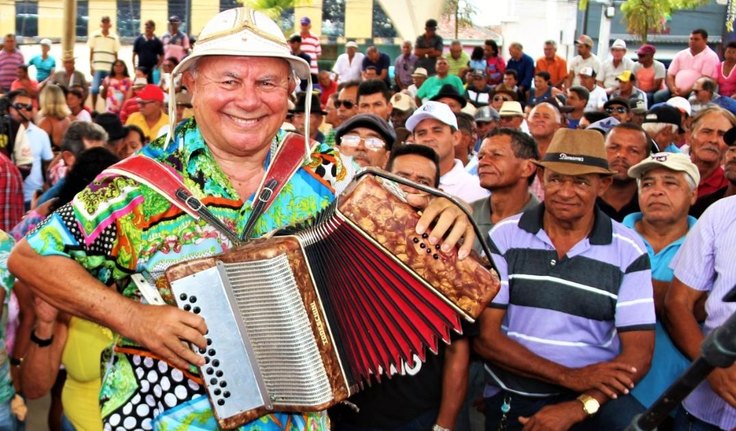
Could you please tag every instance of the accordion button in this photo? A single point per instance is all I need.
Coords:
(196, 310)
(206, 358)
(202, 352)
(429, 251)
(183, 296)
(220, 402)
(435, 256)
(209, 341)
(415, 239)
(217, 392)
(187, 307)
(218, 373)
(192, 299)
(226, 394)
(422, 245)
(223, 384)
(425, 235)
(211, 352)
(210, 370)
(213, 381)
(437, 247)
(216, 362)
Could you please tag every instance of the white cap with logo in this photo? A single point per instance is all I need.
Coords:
(432, 110)
(673, 161)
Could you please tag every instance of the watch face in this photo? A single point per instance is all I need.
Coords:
(590, 404)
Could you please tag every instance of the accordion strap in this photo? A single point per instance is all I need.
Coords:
(289, 156)
(167, 182)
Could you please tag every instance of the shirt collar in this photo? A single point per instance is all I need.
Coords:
(601, 234)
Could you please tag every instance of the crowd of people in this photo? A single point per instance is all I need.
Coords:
(603, 187)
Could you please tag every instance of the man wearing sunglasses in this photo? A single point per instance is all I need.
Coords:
(347, 100)
(32, 144)
(150, 116)
(618, 108)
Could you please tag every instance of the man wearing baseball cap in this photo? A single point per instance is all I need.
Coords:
(435, 126)
(44, 63)
(150, 116)
(565, 264)
(667, 185)
(240, 92)
(310, 45)
(176, 42)
(585, 58)
(367, 138)
(650, 74)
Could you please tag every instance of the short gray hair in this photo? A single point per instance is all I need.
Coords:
(690, 182)
(655, 128)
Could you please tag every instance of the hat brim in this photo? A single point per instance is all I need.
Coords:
(417, 118)
(566, 168)
(299, 65)
(461, 100)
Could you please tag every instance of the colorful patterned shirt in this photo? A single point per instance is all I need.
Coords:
(6, 283)
(116, 227)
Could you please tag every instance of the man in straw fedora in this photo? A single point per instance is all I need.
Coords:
(576, 301)
(239, 74)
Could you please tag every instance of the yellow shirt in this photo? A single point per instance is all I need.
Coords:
(137, 119)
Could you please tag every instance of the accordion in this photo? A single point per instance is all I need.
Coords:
(298, 322)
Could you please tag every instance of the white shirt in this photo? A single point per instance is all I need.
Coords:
(40, 147)
(462, 184)
(596, 99)
(578, 62)
(346, 70)
(609, 72)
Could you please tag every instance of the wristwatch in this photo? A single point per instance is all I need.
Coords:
(590, 404)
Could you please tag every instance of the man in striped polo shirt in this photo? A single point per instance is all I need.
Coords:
(10, 59)
(572, 328)
(310, 45)
(103, 51)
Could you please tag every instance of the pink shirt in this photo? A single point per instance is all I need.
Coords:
(726, 84)
(686, 67)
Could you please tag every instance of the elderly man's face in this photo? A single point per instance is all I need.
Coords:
(624, 149)
(9, 43)
(442, 66)
(498, 166)
(570, 198)
(149, 108)
(454, 105)
(618, 53)
(665, 196)
(511, 121)
(543, 121)
(406, 48)
(706, 139)
(455, 50)
(365, 153)
(240, 102)
(299, 121)
(549, 51)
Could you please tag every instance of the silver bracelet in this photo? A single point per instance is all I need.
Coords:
(439, 428)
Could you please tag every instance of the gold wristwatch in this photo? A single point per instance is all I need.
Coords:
(590, 404)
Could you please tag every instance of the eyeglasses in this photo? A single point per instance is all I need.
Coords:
(620, 110)
(144, 102)
(346, 103)
(500, 99)
(26, 106)
(371, 143)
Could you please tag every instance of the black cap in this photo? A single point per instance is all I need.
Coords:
(431, 23)
(174, 19)
(295, 38)
(301, 104)
(449, 90)
(369, 121)
(617, 101)
(664, 114)
(730, 137)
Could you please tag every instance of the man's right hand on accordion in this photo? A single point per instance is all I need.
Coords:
(447, 225)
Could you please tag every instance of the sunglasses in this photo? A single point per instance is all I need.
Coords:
(620, 110)
(144, 102)
(346, 103)
(371, 143)
(26, 106)
(499, 99)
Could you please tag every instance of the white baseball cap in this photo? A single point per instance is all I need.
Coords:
(45, 41)
(434, 110)
(351, 44)
(673, 161)
(243, 32)
(681, 103)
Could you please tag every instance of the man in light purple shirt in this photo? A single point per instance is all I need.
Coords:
(692, 63)
(704, 267)
(10, 59)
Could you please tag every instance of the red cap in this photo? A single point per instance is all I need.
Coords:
(646, 49)
(151, 92)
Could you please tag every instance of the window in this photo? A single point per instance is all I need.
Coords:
(82, 18)
(129, 18)
(26, 18)
(178, 8)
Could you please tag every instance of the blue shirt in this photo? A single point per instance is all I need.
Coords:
(43, 67)
(524, 68)
(668, 363)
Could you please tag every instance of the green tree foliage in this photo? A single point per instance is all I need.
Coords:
(645, 16)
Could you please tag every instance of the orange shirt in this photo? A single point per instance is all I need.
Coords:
(557, 68)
